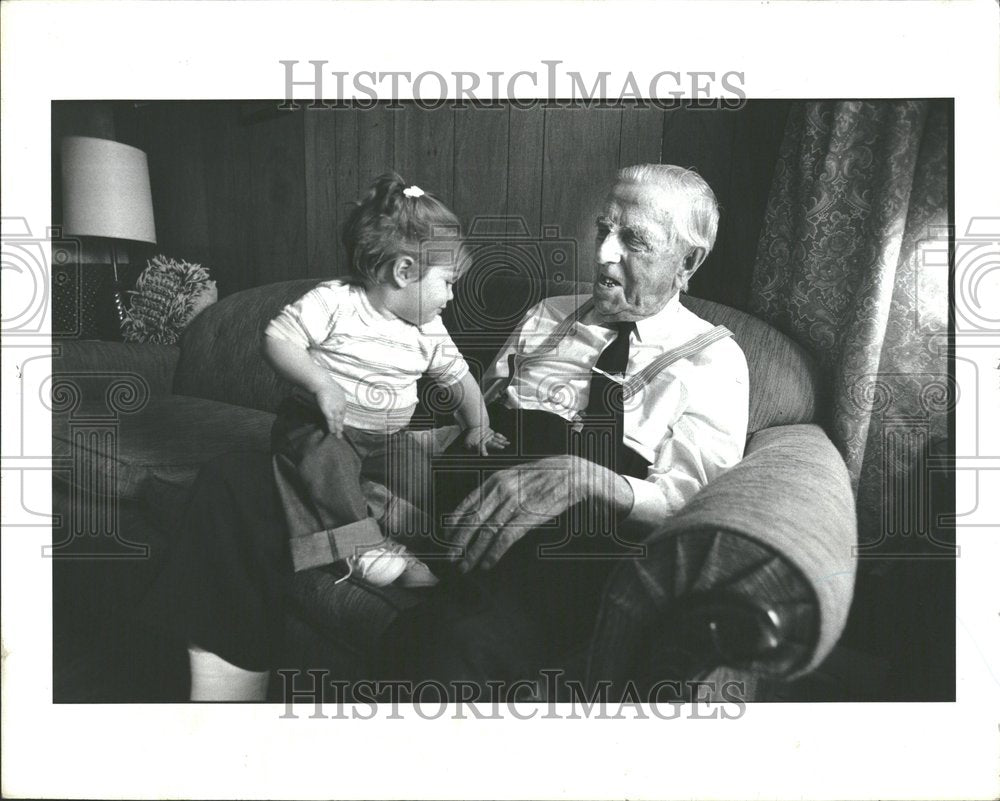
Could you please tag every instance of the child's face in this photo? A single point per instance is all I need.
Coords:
(422, 300)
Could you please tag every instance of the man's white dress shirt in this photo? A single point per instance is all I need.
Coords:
(689, 421)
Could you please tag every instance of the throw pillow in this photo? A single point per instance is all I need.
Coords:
(167, 296)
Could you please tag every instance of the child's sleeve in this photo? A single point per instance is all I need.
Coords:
(447, 365)
(306, 322)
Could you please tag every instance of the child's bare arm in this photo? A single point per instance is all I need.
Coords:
(295, 364)
(472, 415)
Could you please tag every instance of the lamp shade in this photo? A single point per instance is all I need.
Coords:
(106, 190)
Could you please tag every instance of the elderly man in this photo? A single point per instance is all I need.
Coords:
(619, 406)
(622, 405)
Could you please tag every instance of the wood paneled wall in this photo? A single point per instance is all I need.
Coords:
(258, 195)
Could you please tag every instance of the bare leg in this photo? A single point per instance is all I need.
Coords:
(215, 679)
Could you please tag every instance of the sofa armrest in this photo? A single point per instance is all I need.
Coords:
(154, 364)
(756, 572)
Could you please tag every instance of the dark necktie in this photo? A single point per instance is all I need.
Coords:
(605, 407)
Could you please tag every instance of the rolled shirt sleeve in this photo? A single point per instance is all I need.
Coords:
(707, 438)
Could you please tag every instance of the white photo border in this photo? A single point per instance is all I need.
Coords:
(226, 50)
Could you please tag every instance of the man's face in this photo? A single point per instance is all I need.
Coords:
(637, 268)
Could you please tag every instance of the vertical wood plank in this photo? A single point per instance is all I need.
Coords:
(581, 159)
(227, 180)
(425, 149)
(331, 179)
(277, 196)
(482, 143)
(701, 139)
(347, 185)
(320, 153)
(481, 170)
(481, 164)
(642, 134)
(176, 161)
(375, 132)
(525, 167)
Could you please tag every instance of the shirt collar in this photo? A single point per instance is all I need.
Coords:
(660, 323)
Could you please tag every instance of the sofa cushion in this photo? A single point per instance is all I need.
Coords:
(91, 360)
(168, 439)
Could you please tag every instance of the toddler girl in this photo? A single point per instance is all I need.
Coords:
(354, 349)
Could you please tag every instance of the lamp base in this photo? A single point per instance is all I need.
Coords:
(86, 300)
(118, 298)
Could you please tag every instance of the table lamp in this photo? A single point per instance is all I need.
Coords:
(106, 194)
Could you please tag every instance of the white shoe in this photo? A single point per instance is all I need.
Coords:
(379, 566)
(382, 565)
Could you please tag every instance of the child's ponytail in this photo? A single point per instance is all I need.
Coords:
(392, 220)
(387, 193)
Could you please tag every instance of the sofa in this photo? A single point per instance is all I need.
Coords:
(750, 582)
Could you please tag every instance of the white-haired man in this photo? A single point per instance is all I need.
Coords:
(621, 406)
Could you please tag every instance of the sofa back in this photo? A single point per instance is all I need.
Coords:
(221, 355)
(221, 350)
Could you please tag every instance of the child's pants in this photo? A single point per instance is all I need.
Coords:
(319, 479)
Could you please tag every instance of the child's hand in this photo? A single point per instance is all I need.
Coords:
(333, 405)
(484, 439)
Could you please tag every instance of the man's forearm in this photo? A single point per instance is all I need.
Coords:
(605, 485)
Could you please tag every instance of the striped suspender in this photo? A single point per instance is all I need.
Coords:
(551, 342)
(635, 383)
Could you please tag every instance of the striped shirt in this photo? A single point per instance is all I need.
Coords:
(375, 360)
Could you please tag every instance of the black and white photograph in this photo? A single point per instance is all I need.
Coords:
(769, 486)
(403, 407)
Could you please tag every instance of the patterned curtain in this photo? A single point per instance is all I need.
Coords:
(850, 265)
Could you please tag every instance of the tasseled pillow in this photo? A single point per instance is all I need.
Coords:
(166, 298)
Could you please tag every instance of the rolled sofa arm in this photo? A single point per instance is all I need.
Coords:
(154, 364)
(755, 573)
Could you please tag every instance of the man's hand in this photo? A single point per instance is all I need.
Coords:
(512, 502)
(333, 405)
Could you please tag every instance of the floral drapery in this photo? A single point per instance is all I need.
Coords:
(849, 264)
